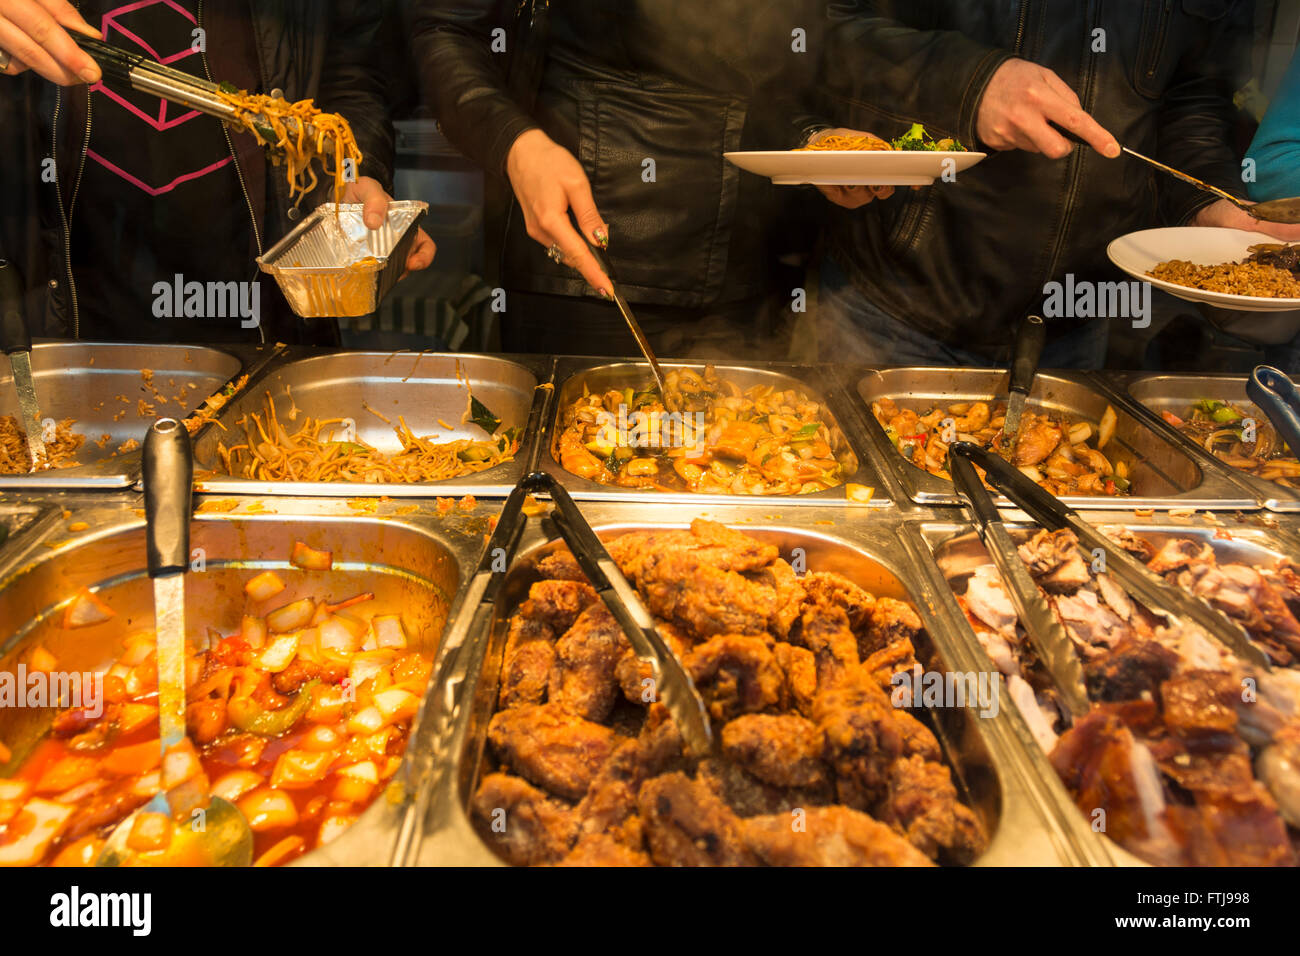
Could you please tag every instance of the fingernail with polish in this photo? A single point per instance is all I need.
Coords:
(604, 293)
(602, 238)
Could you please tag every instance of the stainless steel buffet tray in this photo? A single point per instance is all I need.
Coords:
(986, 760)
(1162, 473)
(100, 384)
(422, 387)
(599, 375)
(1176, 393)
(951, 550)
(413, 559)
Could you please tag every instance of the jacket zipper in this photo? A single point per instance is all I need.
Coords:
(1076, 161)
(1020, 26)
(1159, 46)
(230, 144)
(65, 210)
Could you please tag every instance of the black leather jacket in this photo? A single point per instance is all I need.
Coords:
(678, 82)
(305, 48)
(963, 261)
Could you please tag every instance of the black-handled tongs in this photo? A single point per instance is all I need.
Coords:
(1275, 393)
(673, 686)
(1046, 633)
(1149, 589)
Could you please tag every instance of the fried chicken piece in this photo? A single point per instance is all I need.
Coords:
(890, 621)
(1039, 436)
(687, 824)
(530, 653)
(826, 632)
(923, 804)
(551, 747)
(750, 797)
(559, 603)
(863, 739)
(582, 679)
(711, 543)
(828, 836)
(800, 669)
(603, 850)
(918, 739)
(827, 589)
(561, 565)
(735, 674)
(520, 822)
(633, 673)
(789, 593)
(1054, 561)
(780, 749)
(898, 657)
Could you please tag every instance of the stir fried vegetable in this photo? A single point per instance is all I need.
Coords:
(917, 138)
(1239, 436)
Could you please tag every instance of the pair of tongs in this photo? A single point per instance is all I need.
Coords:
(674, 687)
(177, 86)
(1052, 514)
(1274, 392)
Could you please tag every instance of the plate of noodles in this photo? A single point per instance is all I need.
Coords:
(1228, 268)
(913, 159)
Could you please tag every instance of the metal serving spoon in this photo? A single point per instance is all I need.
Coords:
(1273, 210)
(223, 837)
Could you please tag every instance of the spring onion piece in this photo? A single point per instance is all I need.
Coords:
(250, 717)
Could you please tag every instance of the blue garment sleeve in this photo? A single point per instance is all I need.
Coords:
(1276, 146)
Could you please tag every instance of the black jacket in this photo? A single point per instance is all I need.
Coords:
(963, 261)
(678, 82)
(305, 48)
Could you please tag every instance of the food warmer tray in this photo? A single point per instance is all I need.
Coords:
(1163, 474)
(951, 549)
(819, 382)
(421, 386)
(986, 754)
(1153, 394)
(100, 384)
(412, 557)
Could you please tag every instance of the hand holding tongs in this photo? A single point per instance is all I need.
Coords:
(642, 342)
(1149, 589)
(177, 86)
(1275, 393)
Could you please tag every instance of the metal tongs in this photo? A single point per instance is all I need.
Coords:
(642, 342)
(16, 342)
(434, 728)
(1274, 392)
(1052, 514)
(179, 87)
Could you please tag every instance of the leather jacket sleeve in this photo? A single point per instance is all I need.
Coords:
(353, 83)
(464, 79)
(1197, 117)
(885, 72)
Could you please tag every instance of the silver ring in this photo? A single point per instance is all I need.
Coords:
(555, 253)
(5, 60)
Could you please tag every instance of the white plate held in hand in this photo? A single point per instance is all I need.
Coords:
(1139, 252)
(853, 167)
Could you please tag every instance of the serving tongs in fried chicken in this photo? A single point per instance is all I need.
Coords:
(673, 686)
(1052, 514)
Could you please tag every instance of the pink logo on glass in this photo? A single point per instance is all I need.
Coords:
(160, 121)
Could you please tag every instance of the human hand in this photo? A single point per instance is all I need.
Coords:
(1019, 102)
(374, 202)
(1228, 215)
(549, 182)
(34, 33)
(852, 197)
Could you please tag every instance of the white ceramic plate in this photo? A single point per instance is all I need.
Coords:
(852, 167)
(1138, 252)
